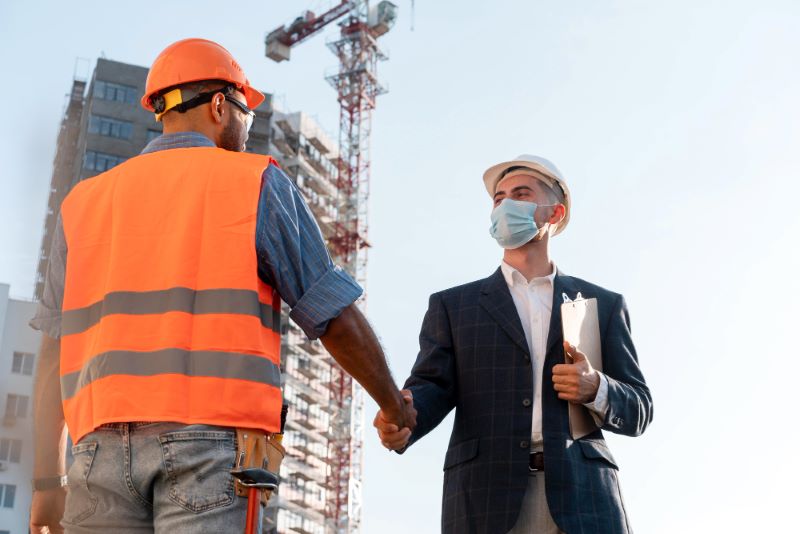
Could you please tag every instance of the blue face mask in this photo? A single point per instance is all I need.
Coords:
(513, 224)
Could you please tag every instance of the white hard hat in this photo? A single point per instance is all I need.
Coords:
(546, 168)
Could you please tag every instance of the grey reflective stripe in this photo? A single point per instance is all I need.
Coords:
(172, 361)
(183, 299)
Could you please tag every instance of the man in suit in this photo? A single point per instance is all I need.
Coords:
(493, 350)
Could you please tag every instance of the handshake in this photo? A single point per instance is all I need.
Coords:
(395, 426)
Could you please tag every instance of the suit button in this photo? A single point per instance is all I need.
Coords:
(527, 359)
(526, 402)
(524, 444)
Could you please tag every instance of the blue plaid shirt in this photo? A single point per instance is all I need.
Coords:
(291, 252)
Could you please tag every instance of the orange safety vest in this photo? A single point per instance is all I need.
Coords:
(164, 315)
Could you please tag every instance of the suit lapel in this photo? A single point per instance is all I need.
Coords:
(496, 300)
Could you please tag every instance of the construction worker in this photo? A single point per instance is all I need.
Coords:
(161, 315)
(493, 349)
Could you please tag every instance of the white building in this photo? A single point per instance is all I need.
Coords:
(310, 158)
(19, 348)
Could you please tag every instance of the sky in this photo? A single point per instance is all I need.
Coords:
(676, 125)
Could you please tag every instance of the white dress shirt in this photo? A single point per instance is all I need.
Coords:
(534, 302)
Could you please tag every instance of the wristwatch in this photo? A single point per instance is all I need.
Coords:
(49, 483)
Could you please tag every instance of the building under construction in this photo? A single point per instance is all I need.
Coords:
(103, 125)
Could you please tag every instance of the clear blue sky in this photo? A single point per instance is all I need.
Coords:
(676, 126)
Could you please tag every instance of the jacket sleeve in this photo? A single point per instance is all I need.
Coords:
(630, 406)
(433, 377)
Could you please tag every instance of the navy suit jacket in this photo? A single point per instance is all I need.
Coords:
(474, 358)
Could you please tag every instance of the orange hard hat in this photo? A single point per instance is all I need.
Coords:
(195, 60)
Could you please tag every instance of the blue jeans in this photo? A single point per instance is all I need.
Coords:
(154, 478)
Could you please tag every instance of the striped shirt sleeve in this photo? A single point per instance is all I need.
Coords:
(293, 258)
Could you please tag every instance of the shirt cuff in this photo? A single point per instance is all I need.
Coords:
(599, 406)
(47, 321)
(324, 301)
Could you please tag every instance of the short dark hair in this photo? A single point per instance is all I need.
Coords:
(553, 191)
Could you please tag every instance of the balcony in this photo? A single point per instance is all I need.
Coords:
(311, 347)
(307, 369)
(321, 185)
(285, 124)
(284, 147)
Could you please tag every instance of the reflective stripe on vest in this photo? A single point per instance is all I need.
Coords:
(164, 315)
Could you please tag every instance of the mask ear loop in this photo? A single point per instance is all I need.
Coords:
(548, 223)
(545, 227)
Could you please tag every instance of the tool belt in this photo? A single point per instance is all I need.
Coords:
(260, 450)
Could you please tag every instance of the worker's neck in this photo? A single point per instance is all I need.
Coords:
(186, 126)
(531, 260)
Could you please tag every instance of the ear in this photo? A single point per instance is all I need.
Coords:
(559, 212)
(217, 109)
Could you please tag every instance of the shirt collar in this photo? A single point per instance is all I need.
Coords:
(178, 140)
(513, 276)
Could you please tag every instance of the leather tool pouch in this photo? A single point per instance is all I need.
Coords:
(259, 449)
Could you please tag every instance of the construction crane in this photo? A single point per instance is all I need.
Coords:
(357, 87)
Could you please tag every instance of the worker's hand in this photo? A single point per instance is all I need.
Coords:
(401, 413)
(575, 382)
(392, 436)
(47, 508)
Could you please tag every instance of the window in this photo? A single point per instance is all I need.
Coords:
(109, 127)
(16, 406)
(7, 494)
(152, 134)
(10, 450)
(99, 161)
(22, 363)
(116, 91)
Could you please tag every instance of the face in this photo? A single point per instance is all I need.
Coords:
(526, 188)
(234, 129)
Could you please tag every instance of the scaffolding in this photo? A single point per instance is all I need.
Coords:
(63, 178)
(310, 158)
(335, 181)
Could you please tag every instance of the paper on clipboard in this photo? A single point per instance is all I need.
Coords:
(581, 328)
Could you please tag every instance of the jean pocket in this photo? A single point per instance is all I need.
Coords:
(80, 503)
(198, 464)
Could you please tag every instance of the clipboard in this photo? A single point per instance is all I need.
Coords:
(581, 328)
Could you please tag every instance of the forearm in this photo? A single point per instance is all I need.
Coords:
(50, 436)
(353, 344)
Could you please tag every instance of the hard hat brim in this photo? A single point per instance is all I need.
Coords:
(253, 96)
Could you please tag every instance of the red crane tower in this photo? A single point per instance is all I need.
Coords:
(357, 87)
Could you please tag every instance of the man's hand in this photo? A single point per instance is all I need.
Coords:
(575, 382)
(393, 435)
(47, 508)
